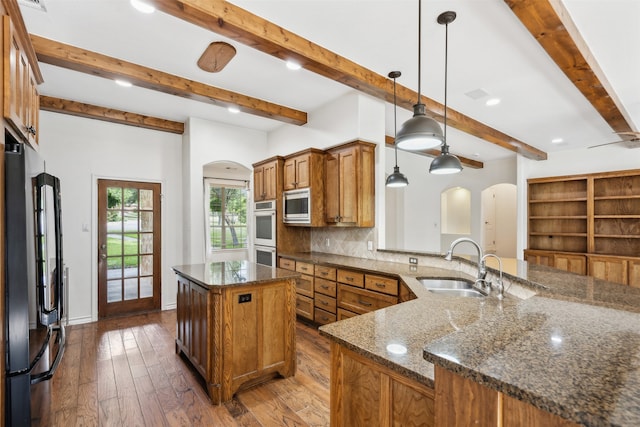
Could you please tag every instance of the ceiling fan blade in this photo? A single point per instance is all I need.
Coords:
(606, 143)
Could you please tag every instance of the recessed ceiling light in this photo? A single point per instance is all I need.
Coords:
(292, 65)
(233, 110)
(492, 101)
(142, 6)
(476, 154)
(557, 141)
(123, 83)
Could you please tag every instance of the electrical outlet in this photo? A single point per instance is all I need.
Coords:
(413, 261)
(370, 245)
(326, 242)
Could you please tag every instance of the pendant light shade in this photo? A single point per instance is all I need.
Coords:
(396, 179)
(419, 132)
(445, 163)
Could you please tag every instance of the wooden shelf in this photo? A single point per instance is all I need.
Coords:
(616, 216)
(559, 234)
(559, 217)
(617, 197)
(616, 236)
(574, 199)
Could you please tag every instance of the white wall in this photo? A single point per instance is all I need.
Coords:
(206, 142)
(79, 151)
(569, 162)
(421, 210)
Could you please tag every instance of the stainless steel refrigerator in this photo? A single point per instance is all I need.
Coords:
(33, 260)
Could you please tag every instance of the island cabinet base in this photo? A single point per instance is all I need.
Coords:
(365, 393)
(237, 336)
(461, 402)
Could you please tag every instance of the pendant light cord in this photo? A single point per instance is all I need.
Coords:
(395, 121)
(419, 46)
(446, 61)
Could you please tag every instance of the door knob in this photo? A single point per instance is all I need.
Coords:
(103, 256)
(103, 246)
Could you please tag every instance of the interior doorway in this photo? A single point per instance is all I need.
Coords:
(129, 247)
(498, 220)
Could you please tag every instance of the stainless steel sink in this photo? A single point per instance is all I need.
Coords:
(444, 283)
(472, 293)
(453, 287)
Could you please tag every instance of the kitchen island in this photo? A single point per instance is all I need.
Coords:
(564, 352)
(236, 323)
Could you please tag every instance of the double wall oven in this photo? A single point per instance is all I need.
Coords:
(264, 232)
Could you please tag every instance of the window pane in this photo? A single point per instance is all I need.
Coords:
(130, 198)
(130, 221)
(146, 287)
(114, 290)
(114, 267)
(131, 288)
(146, 200)
(131, 244)
(130, 266)
(114, 221)
(227, 218)
(146, 265)
(114, 244)
(146, 243)
(146, 221)
(114, 198)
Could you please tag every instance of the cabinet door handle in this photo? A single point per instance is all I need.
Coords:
(303, 268)
(380, 285)
(324, 303)
(366, 304)
(324, 286)
(349, 279)
(324, 273)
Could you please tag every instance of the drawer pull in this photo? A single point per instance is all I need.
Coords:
(303, 268)
(349, 279)
(324, 273)
(380, 285)
(325, 318)
(366, 304)
(324, 286)
(324, 303)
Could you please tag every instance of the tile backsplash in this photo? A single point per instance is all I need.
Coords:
(345, 241)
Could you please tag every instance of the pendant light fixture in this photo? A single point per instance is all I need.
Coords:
(445, 163)
(397, 178)
(419, 132)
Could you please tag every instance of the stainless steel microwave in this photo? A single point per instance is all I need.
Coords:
(296, 207)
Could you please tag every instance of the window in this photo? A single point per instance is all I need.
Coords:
(226, 215)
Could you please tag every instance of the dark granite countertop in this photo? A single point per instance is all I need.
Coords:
(231, 273)
(560, 346)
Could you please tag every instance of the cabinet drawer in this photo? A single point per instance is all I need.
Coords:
(323, 317)
(304, 306)
(328, 273)
(345, 314)
(288, 264)
(326, 303)
(304, 267)
(304, 285)
(326, 287)
(362, 300)
(352, 278)
(382, 284)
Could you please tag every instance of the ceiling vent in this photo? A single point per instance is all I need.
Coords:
(34, 4)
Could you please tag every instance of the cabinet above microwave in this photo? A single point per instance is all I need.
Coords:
(303, 185)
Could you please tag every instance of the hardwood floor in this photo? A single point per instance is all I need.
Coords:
(125, 372)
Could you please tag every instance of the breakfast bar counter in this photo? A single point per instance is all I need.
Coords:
(558, 347)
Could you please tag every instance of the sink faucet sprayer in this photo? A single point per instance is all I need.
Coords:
(482, 266)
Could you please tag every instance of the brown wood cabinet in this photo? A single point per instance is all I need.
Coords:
(461, 402)
(21, 100)
(233, 337)
(305, 169)
(350, 185)
(586, 224)
(364, 393)
(265, 179)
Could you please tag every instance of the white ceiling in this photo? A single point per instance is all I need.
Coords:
(489, 49)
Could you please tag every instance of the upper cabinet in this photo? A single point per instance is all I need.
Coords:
(21, 99)
(350, 185)
(265, 179)
(303, 169)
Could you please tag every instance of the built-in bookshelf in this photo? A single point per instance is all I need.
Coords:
(594, 216)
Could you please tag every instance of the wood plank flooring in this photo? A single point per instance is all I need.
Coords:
(125, 372)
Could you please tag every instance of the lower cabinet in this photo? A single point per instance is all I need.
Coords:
(462, 402)
(612, 269)
(232, 336)
(364, 393)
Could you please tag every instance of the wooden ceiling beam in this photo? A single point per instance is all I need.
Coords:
(74, 58)
(231, 21)
(74, 108)
(474, 164)
(551, 25)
